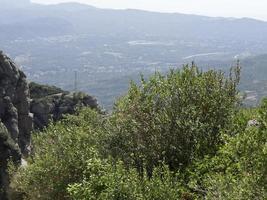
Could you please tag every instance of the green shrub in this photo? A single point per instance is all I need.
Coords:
(60, 155)
(174, 118)
(238, 171)
(106, 181)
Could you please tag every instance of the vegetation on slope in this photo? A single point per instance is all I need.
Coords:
(179, 136)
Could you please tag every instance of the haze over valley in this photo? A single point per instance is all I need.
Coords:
(107, 48)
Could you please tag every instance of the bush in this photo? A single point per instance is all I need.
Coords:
(104, 181)
(239, 170)
(60, 155)
(174, 118)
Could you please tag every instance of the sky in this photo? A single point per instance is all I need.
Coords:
(223, 8)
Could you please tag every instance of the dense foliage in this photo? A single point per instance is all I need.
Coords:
(61, 154)
(107, 181)
(174, 118)
(179, 136)
(239, 171)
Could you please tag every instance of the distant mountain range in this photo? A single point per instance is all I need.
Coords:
(84, 19)
(110, 47)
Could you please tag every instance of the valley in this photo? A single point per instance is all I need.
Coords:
(108, 48)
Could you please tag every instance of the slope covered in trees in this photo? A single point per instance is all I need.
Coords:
(178, 136)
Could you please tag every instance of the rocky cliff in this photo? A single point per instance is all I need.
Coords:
(50, 103)
(21, 112)
(15, 118)
(15, 103)
(8, 151)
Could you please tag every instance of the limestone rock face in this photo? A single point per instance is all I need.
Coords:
(50, 103)
(8, 151)
(21, 111)
(15, 103)
(53, 107)
(15, 120)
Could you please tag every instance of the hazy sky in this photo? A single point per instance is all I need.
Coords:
(227, 8)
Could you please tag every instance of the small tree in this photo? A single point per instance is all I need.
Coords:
(174, 118)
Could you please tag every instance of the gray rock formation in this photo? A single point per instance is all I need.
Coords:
(8, 151)
(50, 103)
(20, 112)
(15, 120)
(15, 103)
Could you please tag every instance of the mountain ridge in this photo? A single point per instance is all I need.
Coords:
(51, 42)
(73, 3)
